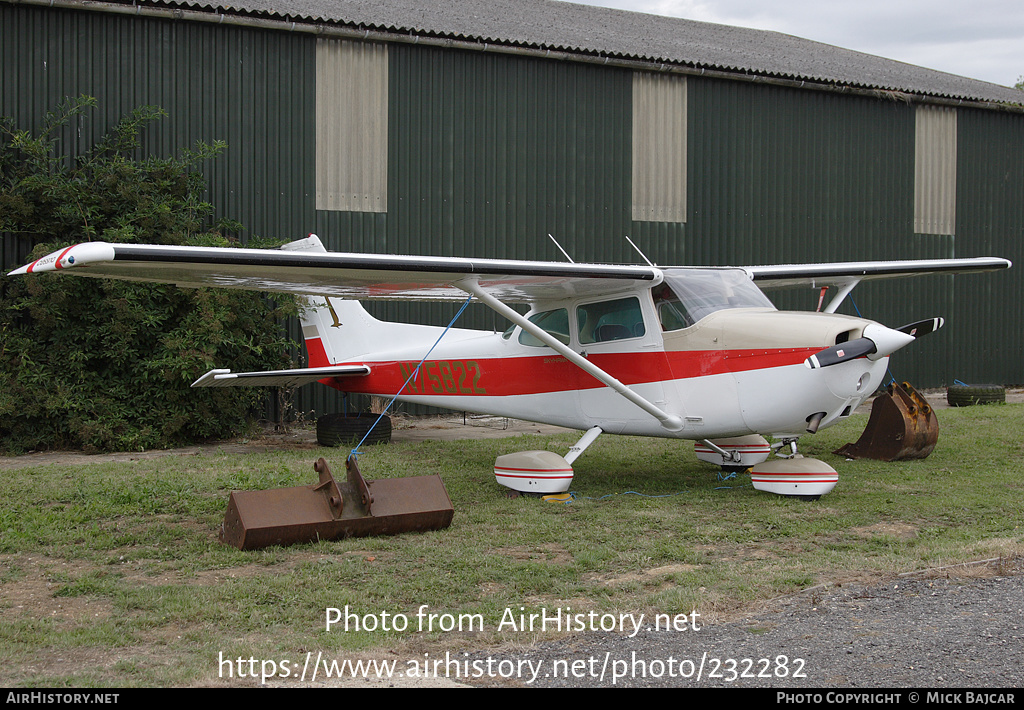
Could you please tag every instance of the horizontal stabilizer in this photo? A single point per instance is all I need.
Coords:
(278, 378)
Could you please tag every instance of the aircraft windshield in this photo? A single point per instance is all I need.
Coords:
(687, 295)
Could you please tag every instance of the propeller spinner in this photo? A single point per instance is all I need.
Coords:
(876, 342)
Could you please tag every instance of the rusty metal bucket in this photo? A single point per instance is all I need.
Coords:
(328, 511)
(902, 425)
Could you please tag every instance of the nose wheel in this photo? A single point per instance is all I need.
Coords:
(791, 474)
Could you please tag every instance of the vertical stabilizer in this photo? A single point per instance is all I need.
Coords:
(338, 330)
(334, 329)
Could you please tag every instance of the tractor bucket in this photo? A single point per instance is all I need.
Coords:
(329, 511)
(902, 425)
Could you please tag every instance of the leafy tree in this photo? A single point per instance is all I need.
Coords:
(106, 365)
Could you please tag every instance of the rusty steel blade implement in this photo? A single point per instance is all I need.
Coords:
(902, 426)
(329, 511)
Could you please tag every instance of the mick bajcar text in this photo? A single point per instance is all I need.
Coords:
(931, 697)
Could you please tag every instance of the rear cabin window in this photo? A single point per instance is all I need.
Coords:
(554, 322)
(610, 320)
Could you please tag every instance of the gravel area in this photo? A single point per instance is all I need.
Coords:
(944, 632)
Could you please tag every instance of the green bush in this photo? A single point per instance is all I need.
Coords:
(106, 365)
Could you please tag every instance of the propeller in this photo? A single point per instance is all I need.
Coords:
(877, 342)
(922, 327)
(850, 350)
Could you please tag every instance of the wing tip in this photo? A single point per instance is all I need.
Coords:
(75, 255)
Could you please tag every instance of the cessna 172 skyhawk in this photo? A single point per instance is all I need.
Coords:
(687, 353)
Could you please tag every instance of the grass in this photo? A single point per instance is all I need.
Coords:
(111, 574)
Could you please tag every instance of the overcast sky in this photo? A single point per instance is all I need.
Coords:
(982, 39)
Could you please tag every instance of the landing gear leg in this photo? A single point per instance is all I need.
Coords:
(541, 472)
(580, 446)
(788, 445)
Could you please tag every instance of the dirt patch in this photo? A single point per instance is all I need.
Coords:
(32, 587)
(901, 531)
(646, 576)
(551, 552)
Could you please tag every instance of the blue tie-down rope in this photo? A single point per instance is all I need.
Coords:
(355, 452)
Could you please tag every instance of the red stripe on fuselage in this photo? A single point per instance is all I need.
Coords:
(553, 373)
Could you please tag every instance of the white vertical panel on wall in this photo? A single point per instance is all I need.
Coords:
(351, 126)
(935, 171)
(659, 147)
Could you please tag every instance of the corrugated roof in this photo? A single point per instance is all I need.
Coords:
(563, 26)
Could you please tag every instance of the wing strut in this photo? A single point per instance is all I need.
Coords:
(844, 291)
(670, 422)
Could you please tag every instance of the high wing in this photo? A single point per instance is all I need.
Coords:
(846, 275)
(311, 270)
(304, 267)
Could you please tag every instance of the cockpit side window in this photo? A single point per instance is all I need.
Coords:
(610, 320)
(554, 322)
(671, 313)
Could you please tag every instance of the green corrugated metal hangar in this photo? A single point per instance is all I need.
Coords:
(478, 128)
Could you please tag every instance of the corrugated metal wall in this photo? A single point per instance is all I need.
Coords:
(988, 320)
(251, 88)
(492, 153)
(787, 176)
(489, 153)
(782, 176)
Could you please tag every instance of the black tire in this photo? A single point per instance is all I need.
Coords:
(348, 430)
(966, 395)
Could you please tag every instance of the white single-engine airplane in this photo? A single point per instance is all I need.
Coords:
(686, 353)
